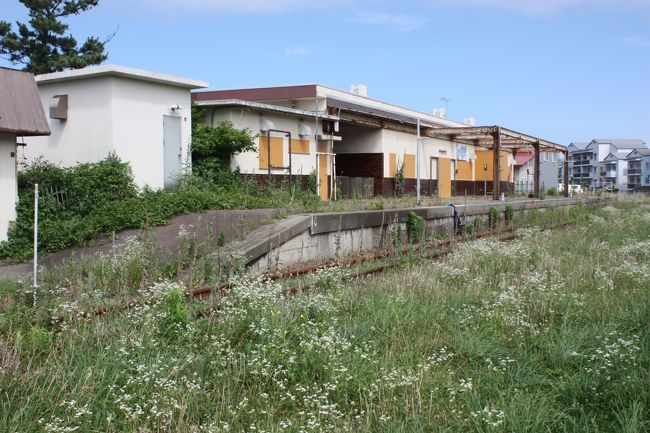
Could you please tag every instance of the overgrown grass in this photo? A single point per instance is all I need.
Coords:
(547, 332)
(81, 203)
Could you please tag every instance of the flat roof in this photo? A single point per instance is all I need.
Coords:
(335, 98)
(21, 111)
(120, 71)
(258, 93)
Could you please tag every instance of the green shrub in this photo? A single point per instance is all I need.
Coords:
(494, 217)
(551, 192)
(89, 200)
(213, 147)
(312, 182)
(414, 227)
(177, 315)
(509, 215)
(400, 180)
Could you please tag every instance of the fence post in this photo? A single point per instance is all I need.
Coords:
(35, 240)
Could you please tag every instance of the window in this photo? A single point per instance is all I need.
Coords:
(300, 146)
(409, 166)
(277, 152)
(545, 156)
(647, 165)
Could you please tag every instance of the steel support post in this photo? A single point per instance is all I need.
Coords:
(566, 173)
(496, 153)
(536, 174)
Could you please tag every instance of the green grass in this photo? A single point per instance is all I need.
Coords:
(545, 333)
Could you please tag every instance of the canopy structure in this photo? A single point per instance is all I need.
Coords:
(497, 138)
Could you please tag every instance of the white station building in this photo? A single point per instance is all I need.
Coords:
(143, 117)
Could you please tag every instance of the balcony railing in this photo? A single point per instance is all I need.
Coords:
(634, 172)
(610, 173)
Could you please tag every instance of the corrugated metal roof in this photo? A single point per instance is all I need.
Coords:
(21, 111)
(370, 111)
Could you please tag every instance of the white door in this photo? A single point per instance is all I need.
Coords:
(172, 148)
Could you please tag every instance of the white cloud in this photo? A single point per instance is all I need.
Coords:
(540, 7)
(397, 22)
(297, 51)
(230, 7)
(636, 41)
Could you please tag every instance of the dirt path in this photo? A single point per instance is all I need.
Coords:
(233, 224)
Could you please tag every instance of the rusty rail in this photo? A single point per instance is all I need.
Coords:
(207, 292)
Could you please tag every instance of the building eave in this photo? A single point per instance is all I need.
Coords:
(265, 107)
(120, 71)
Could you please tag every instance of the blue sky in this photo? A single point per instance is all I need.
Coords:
(565, 70)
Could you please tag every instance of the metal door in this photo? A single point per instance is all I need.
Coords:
(172, 148)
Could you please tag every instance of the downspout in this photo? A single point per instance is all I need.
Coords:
(417, 152)
(214, 109)
(318, 185)
(290, 180)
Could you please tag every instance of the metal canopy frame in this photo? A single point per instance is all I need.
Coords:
(494, 138)
(497, 138)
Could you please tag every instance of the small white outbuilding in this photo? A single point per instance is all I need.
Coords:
(21, 114)
(144, 117)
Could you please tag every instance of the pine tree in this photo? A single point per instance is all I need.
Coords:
(42, 45)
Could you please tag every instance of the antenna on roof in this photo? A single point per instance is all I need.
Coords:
(446, 101)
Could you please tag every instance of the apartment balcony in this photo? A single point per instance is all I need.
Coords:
(634, 171)
(610, 174)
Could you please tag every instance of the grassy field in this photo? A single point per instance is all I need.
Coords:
(545, 333)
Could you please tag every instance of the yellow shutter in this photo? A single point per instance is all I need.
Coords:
(277, 153)
(409, 166)
(300, 146)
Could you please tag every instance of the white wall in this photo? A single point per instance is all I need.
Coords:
(248, 162)
(403, 142)
(8, 185)
(357, 139)
(87, 135)
(603, 151)
(137, 112)
(117, 114)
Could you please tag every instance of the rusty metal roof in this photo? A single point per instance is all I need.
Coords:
(21, 111)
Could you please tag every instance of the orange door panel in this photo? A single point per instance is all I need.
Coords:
(444, 177)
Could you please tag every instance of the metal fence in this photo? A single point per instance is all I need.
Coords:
(355, 186)
(524, 186)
